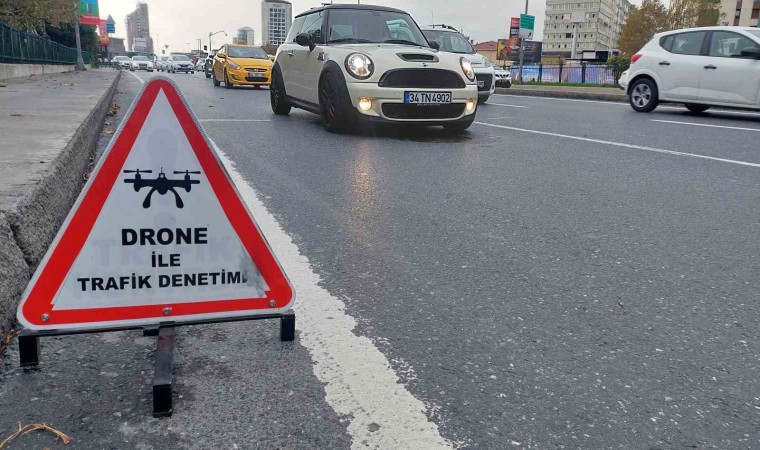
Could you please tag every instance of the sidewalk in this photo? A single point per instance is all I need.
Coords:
(50, 125)
(586, 93)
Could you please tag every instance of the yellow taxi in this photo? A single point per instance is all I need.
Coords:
(236, 64)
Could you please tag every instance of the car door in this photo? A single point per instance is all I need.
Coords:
(306, 62)
(727, 77)
(285, 54)
(680, 66)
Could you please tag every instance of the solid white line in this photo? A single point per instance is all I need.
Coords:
(508, 106)
(138, 78)
(234, 120)
(707, 125)
(496, 118)
(620, 144)
(360, 384)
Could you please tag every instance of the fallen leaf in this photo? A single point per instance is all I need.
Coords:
(109, 131)
(26, 429)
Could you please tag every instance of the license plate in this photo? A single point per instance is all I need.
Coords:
(427, 98)
(481, 83)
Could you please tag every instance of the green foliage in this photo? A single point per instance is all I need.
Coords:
(94, 62)
(694, 13)
(643, 22)
(33, 15)
(619, 63)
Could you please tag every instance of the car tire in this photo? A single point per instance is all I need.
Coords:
(333, 105)
(213, 78)
(696, 108)
(483, 99)
(459, 126)
(277, 97)
(643, 95)
(192, 72)
(208, 75)
(227, 83)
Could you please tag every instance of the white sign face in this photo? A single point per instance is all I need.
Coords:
(171, 239)
(161, 253)
(526, 33)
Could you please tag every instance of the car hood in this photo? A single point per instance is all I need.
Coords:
(252, 62)
(376, 49)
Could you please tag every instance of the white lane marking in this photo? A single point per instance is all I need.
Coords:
(496, 118)
(673, 108)
(507, 106)
(360, 384)
(234, 120)
(620, 144)
(138, 78)
(706, 125)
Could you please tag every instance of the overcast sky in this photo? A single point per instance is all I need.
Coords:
(179, 23)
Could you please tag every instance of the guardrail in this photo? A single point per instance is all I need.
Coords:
(17, 46)
(592, 74)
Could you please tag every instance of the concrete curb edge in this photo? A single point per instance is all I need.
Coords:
(563, 94)
(27, 230)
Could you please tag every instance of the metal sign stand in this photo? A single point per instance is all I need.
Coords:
(163, 406)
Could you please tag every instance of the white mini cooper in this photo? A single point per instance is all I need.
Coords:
(352, 63)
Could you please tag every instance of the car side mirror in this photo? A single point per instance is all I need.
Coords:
(221, 55)
(751, 52)
(304, 40)
(435, 45)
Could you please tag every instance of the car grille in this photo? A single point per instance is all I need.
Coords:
(487, 80)
(257, 70)
(143, 66)
(431, 112)
(256, 79)
(422, 78)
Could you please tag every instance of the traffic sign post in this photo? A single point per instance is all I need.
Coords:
(159, 237)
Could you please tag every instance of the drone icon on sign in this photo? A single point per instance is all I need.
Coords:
(162, 185)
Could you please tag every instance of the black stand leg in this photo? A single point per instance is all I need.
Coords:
(288, 327)
(162, 377)
(29, 350)
(151, 330)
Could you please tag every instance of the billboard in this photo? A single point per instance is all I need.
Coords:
(509, 50)
(88, 12)
(103, 33)
(514, 27)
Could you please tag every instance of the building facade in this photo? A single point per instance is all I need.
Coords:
(598, 24)
(276, 19)
(245, 36)
(138, 30)
(740, 13)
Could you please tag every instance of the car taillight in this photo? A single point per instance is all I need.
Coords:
(636, 57)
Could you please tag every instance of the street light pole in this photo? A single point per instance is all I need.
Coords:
(209, 38)
(522, 48)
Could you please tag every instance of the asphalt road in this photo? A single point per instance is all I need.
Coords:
(566, 274)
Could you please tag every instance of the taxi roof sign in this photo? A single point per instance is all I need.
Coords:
(158, 234)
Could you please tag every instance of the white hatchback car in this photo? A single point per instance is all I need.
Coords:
(140, 63)
(699, 67)
(351, 63)
(450, 40)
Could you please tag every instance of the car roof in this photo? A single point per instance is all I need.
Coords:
(352, 6)
(715, 28)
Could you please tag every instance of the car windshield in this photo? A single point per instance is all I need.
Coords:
(139, 58)
(246, 52)
(450, 41)
(373, 26)
(180, 58)
(754, 33)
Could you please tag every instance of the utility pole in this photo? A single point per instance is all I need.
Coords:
(522, 47)
(80, 61)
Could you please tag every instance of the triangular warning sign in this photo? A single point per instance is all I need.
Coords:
(158, 234)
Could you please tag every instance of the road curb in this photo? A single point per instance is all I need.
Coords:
(27, 230)
(563, 94)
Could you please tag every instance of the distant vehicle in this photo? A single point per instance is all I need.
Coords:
(141, 63)
(503, 76)
(450, 40)
(241, 65)
(208, 64)
(362, 63)
(179, 63)
(699, 67)
(199, 64)
(161, 63)
(120, 62)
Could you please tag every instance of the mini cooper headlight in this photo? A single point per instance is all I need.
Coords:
(359, 66)
(467, 68)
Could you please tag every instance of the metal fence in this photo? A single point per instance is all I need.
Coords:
(19, 47)
(598, 74)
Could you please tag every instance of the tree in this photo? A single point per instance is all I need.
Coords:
(694, 13)
(643, 22)
(33, 15)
